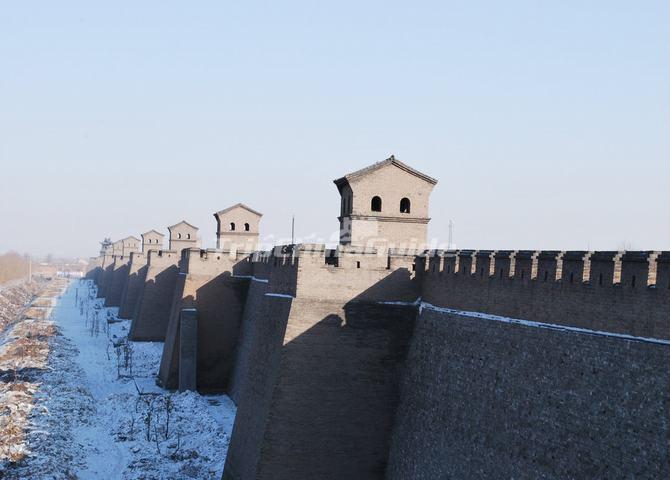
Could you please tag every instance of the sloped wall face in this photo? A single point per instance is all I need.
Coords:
(105, 276)
(336, 391)
(137, 273)
(219, 301)
(488, 399)
(338, 363)
(265, 325)
(119, 277)
(208, 282)
(153, 311)
(254, 310)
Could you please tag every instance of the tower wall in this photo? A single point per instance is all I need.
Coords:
(214, 283)
(153, 309)
(118, 279)
(316, 343)
(137, 272)
(105, 275)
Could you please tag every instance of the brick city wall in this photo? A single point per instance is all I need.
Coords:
(119, 276)
(488, 399)
(335, 346)
(625, 294)
(207, 283)
(153, 309)
(137, 275)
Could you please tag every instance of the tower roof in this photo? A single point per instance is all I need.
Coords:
(340, 182)
(131, 237)
(153, 231)
(238, 205)
(183, 222)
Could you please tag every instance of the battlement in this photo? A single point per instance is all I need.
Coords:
(634, 269)
(213, 261)
(345, 272)
(623, 292)
(162, 257)
(138, 257)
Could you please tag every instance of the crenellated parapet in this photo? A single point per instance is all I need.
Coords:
(602, 268)
(622, 292)
(342, 273)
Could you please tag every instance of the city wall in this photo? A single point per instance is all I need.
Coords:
(318, 350)
(137, 274)
(214, 283)
(337, 358)
(484, 398)
(607, 291)
(105, 275)
(117, 282)
(153, 307)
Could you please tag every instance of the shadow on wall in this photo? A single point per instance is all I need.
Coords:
(132, 293)
(150, 323)
(329, 394)
(220, 303)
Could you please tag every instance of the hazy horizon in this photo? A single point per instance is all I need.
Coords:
(547, 126)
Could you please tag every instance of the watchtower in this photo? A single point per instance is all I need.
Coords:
(237, 228)
(183, 235)
(130, 244)
(385, 205)
(117, 248)
(152, 240)
(106, 247)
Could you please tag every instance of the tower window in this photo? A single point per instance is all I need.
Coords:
(179, 235)
(232, 226)
(405, 205)
(246, 227)
(376, 204)
(188, 235)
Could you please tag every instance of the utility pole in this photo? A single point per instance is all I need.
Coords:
(293, 230)
(451, 235)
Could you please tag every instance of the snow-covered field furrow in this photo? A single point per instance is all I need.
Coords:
(99, 414)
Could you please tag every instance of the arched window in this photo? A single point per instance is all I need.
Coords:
(405, 205)
(179, 235)
(246, 227)
(188, 236)
(376, 204)
(232, 226)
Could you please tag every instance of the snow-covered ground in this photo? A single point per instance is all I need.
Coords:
(98, 413)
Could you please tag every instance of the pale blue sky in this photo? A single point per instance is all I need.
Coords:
(547, 124)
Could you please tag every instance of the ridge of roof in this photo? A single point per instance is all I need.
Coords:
(376, 166)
